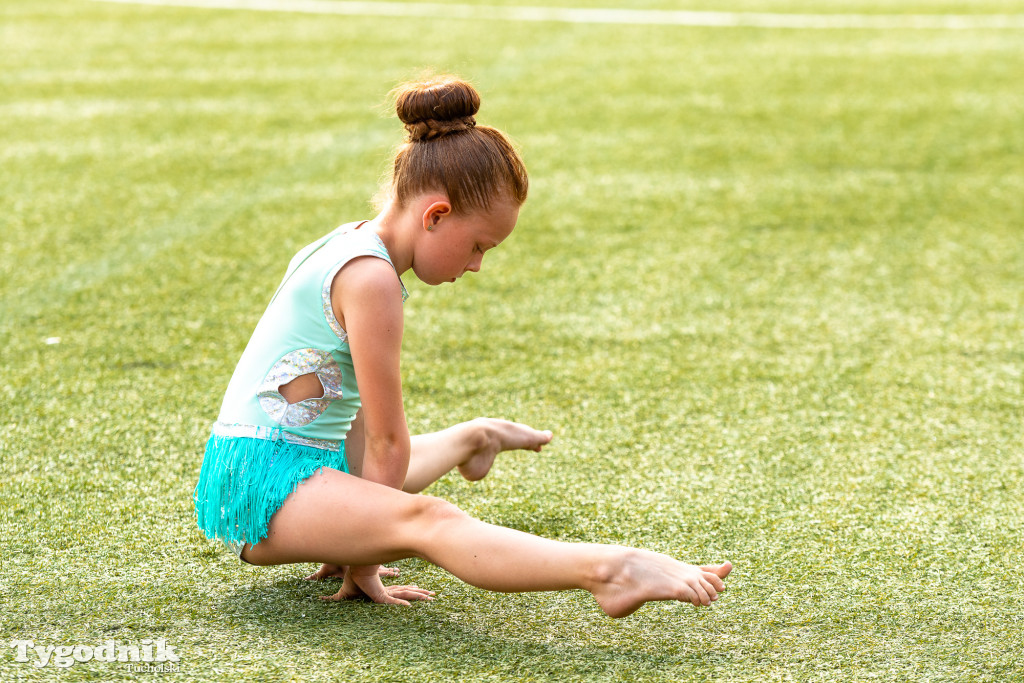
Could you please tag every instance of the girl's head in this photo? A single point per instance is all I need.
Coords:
(464, 182)
(446, 152)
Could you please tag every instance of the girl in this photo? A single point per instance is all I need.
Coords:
(310, 459)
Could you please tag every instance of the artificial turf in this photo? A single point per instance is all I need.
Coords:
(768, 291)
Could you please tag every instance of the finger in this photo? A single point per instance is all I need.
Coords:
(411, 595)
(720, 570)
(414, 596)
(389, 600)
(387, 596)
(388, 571)
(410, 589)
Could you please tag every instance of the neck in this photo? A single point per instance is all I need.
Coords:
(397, 229)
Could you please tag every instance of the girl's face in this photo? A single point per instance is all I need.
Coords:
(456, 244)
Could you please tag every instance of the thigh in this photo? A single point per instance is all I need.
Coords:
(336, 518)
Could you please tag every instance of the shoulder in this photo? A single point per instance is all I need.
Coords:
(367, 278)
(367, 297)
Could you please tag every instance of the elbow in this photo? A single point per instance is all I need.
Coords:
(389, 446)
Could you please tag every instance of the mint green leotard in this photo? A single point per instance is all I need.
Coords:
(262, 447)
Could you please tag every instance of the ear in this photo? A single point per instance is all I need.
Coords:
(436, 211)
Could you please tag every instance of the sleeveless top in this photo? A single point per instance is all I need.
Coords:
(297, 335)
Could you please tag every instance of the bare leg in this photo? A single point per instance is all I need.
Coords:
(344, 520)
(469, 446)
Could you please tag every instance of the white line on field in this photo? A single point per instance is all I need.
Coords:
(607, 16)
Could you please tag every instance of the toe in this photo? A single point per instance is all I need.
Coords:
(719, 570)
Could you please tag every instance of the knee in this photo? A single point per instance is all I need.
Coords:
(432, 510)
(433, 524)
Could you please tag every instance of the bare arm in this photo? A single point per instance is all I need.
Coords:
(367, 295)
(354, 458)
(367, 301)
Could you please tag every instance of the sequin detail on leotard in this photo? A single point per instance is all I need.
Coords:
(273, 434)
(325, 293)
(295, 364)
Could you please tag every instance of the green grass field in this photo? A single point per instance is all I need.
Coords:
(768, 292)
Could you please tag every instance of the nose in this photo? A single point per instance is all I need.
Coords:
(475, 264)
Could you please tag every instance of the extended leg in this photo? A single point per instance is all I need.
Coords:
(344, 520)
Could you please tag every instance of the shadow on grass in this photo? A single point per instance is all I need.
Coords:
(468, 630)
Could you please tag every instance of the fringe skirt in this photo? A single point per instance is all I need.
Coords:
(244, 480)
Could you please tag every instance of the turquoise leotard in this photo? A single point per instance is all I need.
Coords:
(261, 446)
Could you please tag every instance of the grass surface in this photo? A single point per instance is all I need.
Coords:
(768, 291)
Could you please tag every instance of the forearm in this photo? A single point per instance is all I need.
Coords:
(386, 462)
(390, 458)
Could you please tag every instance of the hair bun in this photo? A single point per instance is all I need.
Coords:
(434, 128)
(436, 107)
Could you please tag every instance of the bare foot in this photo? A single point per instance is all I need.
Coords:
(337, 571)
(633, 577)
(327, 571)
(491, 436)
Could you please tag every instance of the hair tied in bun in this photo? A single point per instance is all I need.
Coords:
(434, 128)
(447, 152)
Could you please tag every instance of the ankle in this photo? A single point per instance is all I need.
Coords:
(609, 567)
(482, 437)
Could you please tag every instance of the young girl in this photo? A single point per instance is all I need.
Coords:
(310, 459)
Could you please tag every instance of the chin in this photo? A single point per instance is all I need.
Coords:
(429, 279)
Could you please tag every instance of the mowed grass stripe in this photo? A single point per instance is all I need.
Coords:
(615, 16)
(250, 173)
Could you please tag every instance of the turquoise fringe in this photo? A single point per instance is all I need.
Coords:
(244, 481)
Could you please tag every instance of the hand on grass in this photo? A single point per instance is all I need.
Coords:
(337, 571)
(364, 582)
